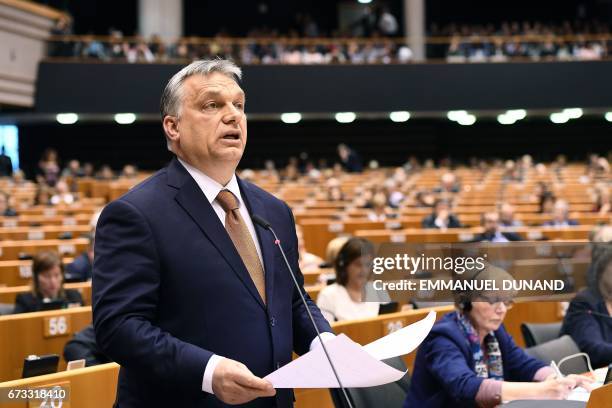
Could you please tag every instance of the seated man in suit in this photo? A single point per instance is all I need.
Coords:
(441, 217)
(190, 295)
(47, 285)
(589, 316)
(507, 218)
(83, 346)
(492, 231)
(5, 208)
(80, 269)
(560, 216)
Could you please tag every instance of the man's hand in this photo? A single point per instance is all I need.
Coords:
(233, 383)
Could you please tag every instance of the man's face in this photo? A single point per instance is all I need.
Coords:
(491, 222)
(212, 125)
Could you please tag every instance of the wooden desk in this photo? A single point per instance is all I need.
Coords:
(18, 273)
(37, 333)
(8, 294)
(601, 397)
(10, 250)
(91, 387)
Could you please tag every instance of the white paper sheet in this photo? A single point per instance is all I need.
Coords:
(356, 366)
(403, 341)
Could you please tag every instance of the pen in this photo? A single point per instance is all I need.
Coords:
(556, 368)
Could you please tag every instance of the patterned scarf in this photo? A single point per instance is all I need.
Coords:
(488, 364)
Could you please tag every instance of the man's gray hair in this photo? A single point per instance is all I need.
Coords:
(173, 92)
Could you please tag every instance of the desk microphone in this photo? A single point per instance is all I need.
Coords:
(266, 225)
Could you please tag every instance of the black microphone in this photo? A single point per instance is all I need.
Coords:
(266, 225)
(591, 312)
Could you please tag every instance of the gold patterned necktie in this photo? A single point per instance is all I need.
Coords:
(242, 239)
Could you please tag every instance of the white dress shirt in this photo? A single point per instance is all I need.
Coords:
(211, 189)
(336, 304)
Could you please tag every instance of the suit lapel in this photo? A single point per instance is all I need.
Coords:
(266, 239)
(191, 198)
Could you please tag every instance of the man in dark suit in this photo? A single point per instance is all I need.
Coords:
(189, 296)
(441, 217)
(492, 231)
(6, 164)
(560, 216)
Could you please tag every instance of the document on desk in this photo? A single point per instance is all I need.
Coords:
(581, 394)
(356, 366)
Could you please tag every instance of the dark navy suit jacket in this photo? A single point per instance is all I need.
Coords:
(592, 333)
(444, 373)
(169, 290)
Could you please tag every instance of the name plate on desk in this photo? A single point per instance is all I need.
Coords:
(54, 326)
(10, 223)
(69, 221)
(55, 395)
(390, 326)
(36, 234)
(397, 238)
(66, 249)
(335, 227)
(25, 271)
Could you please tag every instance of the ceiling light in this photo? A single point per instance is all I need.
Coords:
(291, 117)
(125, 118)
(67, 118)
(399, 116)
(345, 117)
(467, 120)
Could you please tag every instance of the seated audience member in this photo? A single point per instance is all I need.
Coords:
(492, 231)
(5, 209)
(350, 159)
(73, 169)
(307, 261)
(43, 196)
(83, 346)
(129, 171)
(47, 285)
(62, 194)
(80, 269)
(469, 359)
(105, 173)
(560, 216)
(546, 202)
(448, 184)
(331, 251)
(334, 190)
(441, 217)
(343, 300)
(507, 217)
(379, 211)
(589, 316)
(19, 178)
(603, 200)
(425, 199)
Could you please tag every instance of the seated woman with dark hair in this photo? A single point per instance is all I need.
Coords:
(589, 316)
(343, 300)
(47, 285)
(469, 359)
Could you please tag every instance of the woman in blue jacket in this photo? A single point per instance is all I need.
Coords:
(470, 360)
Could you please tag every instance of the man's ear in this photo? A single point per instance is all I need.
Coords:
(170, 124)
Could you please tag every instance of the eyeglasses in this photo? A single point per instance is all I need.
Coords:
(493, 301)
